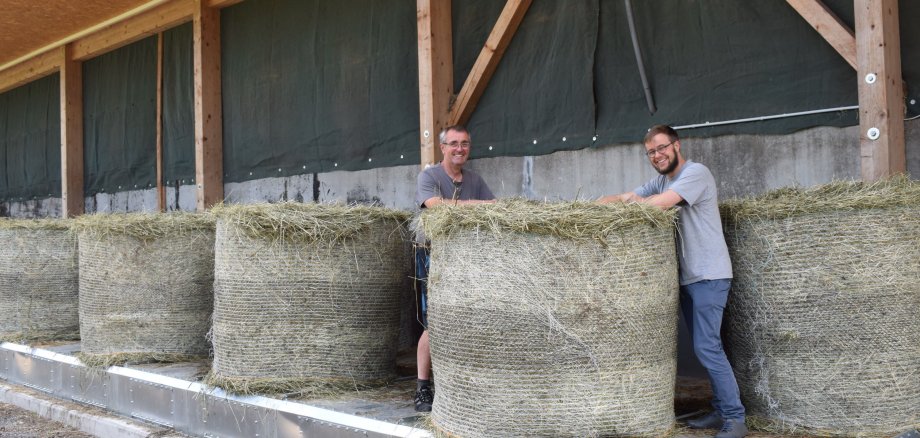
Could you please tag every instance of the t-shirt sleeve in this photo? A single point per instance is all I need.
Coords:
(691, 185)
(426, 188)
(648, 189)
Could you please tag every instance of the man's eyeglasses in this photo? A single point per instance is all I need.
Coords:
(462, 144)
(660, 148)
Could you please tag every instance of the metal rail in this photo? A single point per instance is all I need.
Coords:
(188, 407)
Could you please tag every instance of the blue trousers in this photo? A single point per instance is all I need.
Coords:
(422, 263)
(702, 304)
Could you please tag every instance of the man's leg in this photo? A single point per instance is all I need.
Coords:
(423, 357)
(708, 300)
(424, 396)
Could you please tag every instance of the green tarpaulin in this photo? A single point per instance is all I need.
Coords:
(30, 141)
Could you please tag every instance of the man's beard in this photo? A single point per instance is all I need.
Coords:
(672, 164)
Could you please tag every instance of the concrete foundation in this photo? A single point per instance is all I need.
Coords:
(742, 165)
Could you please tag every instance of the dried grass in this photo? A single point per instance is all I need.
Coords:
(552, 319)
(146, 286)
(308, 297)
(570, 220)
(822, 320)
(38, 280)
(298, 222)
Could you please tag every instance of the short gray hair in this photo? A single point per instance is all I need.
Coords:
(442, 137)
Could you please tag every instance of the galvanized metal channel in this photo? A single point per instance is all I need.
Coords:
(188, 407)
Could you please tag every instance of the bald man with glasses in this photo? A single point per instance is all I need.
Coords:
(705, 267)
(445, 183)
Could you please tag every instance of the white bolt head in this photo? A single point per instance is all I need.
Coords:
(873, 133)
(870, 78)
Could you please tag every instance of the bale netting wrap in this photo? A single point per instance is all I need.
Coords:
(38, 280)
(552, 319)
(823, 326)
(308, 297)
(146, 286)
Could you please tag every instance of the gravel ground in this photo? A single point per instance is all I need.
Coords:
(20, 423)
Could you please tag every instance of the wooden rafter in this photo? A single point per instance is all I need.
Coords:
(488, 60)
(435, 74)
(834, 31)
(28, 71)
(135, 28)
(881, 93)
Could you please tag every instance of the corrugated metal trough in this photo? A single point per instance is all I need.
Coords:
(188, 407)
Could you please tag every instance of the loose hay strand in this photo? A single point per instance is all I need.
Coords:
(570, 220)
(294, 221)
(838, 196)
(143, 226)
(119, 359)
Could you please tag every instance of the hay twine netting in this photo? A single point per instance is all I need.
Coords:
(38, 280)
(145, 287)
(308, 297)
(823, 323)
(552, 319)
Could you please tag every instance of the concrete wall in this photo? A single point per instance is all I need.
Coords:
(742, 165)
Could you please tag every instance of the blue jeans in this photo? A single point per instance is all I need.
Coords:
(702, 304)
(422, 262)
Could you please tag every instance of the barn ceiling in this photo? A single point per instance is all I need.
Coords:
(28, 25)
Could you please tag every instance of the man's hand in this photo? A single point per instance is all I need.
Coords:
(622, 197)
(663, 201)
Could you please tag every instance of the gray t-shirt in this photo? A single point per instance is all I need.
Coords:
(434, 182)
(700, 245)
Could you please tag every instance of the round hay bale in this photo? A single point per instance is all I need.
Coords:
(145, 287)
(552, 319)
(308, 297)
(38, 280)
(822, 321)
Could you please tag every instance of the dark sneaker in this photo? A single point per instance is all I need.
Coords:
(733, 428)
(424, 397)
(712, 420)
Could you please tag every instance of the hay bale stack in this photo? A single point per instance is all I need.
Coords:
(145, 287)
(307, 296)
(823, 323)
(552, 319)
(38, 280)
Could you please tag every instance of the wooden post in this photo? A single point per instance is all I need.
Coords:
(488, 60)
(72, 203)
(161, 191)
(435, 74)
(208, 116)
(881, 94)
(834, 31)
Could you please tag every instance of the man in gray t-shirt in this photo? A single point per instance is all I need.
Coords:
(705, 268)
(445, 183)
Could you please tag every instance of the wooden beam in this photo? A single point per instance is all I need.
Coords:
(135, 28)
(488, 60)
(881, 93)
(834, 31)
(208, 116)
(220, 4)
(28, 71)
(161, 191)
(435, 74)
(71, 133)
